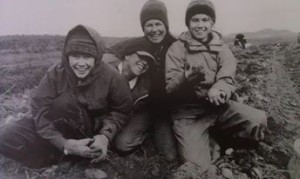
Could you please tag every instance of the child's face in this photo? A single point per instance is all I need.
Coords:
(136, 65)
(200, 25)
(155, 30)
(81, 64)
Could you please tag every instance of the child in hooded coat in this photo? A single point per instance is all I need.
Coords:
(77, 109)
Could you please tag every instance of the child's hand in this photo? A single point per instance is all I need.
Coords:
(215, 96)
(99, 148)
(194, 74)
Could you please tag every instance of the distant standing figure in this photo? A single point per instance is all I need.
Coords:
(77, 109)
(240, 41)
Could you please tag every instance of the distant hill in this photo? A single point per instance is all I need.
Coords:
(266, 36)
(40, 43)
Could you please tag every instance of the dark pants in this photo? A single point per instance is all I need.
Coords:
(192, 124)
(20, 141)
(137, 130)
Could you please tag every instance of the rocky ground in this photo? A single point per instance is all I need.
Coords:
(268, 79)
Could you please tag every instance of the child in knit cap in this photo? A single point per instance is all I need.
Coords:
(200, 71)
(155, 26)
(77, 109)
(135, 62)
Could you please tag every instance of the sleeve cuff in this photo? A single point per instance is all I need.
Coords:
(59, 142)
(108, 133)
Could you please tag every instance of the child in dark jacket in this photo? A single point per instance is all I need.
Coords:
(155, 26)
(135, 62)
(77, 109)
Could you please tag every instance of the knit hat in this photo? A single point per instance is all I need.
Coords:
(200, 7)
(81, 42)
(154, 9)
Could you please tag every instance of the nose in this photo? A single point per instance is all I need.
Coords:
(81, 61)
(154, 28)
(200, 24)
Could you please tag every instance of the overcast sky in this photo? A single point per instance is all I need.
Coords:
(121, 17)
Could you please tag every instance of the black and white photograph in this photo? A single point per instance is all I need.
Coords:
(150, 89)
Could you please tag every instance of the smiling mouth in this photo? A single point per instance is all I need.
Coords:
(81, 70)
(141, 66)
(156, 36)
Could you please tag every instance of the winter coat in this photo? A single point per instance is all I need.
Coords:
(140, 92)
(104, 91)
(213, 62)
(158, 91)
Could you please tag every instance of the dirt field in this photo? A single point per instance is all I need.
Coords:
(268, 79)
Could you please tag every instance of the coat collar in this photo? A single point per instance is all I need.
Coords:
(192, 44)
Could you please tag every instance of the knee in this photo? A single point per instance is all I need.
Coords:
(252, 115)
(257, 118)
(63, 104)
(124, 143)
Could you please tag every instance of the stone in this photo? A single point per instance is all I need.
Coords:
(95, 173)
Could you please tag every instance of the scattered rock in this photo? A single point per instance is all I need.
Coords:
(293, 103)
(212, 172)
(229, 151)
(49, 171)
(265, 148)
(242, 176)
(95, 173)
(8, 119)
(227, 173)
(188, 170)
(256, 173)
(260, 97)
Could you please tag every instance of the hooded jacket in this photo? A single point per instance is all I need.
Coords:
(215, 63)
(104, 90)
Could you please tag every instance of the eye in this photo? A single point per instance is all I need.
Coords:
(194, 19)
(206, 19)
(87, 56)
(74, 55)
(158, 24)
(148, 25)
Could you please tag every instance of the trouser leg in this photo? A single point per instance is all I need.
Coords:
(20, 142)
(135, 131)
(241, 121)
(163, 136)
(191, 128)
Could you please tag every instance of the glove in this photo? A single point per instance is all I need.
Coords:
(99, 148)
(194, 74)
(79, 147)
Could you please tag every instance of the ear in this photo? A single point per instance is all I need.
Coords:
(212, 22)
